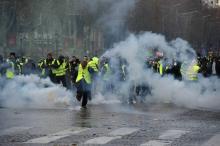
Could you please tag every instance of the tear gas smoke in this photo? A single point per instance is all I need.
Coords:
(33, 92)
(202, 94)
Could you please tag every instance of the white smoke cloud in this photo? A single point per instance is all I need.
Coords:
(202, 94)
(33, 92)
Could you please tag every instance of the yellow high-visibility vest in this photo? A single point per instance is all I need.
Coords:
(83, 74)
(44, 62)
(61, 70)
(93, 65)
(96, 60)
(40, 64)
(193, 73)
(107, 73)
(160, 67)
(10, 73)
(53, 62)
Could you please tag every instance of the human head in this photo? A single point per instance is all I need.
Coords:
(49, 56)
(86, 58)
(84, 64)
(73, 58)
(12, 55)
(61, 58)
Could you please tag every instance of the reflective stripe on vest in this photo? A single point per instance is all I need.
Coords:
(40, 64)
(45, 61)
(83, 74)
(54, 70)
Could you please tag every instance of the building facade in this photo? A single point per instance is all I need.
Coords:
(36, 27)
(212, 3)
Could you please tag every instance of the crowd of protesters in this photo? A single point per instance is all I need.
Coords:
(82, 74)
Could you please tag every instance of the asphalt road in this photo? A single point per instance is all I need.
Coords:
(113, 124)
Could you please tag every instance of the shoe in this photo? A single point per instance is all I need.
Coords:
(78, 98)
(84, 107)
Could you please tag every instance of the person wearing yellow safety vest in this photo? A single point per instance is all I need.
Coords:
(122, 69)
(190, 71)
(60, 69)
(94, 65)
(193, 72)
(106, 71)
(83, 83)
(47, 67)
(106, 74)
(163, 66)
(160, 67)
(41, 71)
(23, 61)
(27, 66)
(13, 67)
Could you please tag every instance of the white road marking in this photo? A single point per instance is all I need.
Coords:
(156, 143)
(172, 134)
(116, 134)
(14, 130)
(214, 141)
(166, 138)
(101, 140)
(123, 131)
(52, 137)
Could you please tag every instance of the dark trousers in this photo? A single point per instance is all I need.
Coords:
(83, 96)
(61, 79)
(53, 78)
(83, 92)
